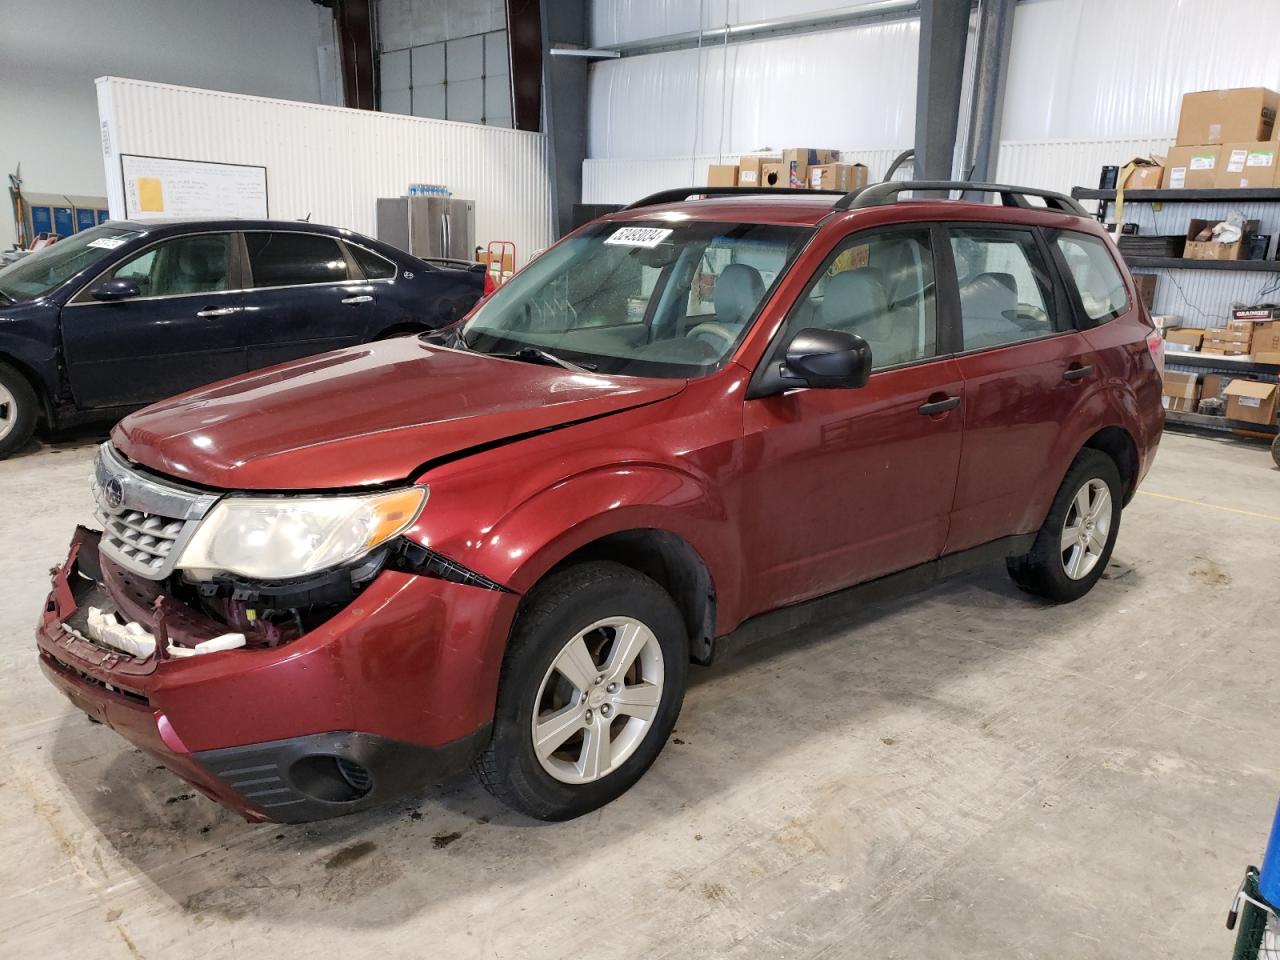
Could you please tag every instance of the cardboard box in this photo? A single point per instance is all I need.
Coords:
(1188, 337)
(751, 170)
(796, 162)
(1180, 391)
(1252, 401)
(1148, 175)
(1192, 168)
(1212, 249)
(1224, 116)
(1242, 334)
(838, 176)
(1265, 346)
(722, 175)
(1247, 165)
(1146, 284)
(772, 175)
(1213, 384)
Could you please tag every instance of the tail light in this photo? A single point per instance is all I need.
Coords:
(1155, 346)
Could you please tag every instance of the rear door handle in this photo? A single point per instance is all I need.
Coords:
(217, 312)
(1077, 373)
(935, 407)
(363, 298)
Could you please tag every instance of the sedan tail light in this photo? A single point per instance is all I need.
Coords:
(1155, 346)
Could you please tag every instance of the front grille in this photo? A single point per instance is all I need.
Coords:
(145, 538)
(146, 521)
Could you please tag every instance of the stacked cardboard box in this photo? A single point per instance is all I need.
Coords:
(1227, 341)
(1183, 340)
(838, 176)
(1253, 401)
(1181, 391)
(722, 175)
(1263, 324)
(1225, 139)
(1212, 249)
(790, 169)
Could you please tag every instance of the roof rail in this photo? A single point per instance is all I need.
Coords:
(684, 193)
(880, 194)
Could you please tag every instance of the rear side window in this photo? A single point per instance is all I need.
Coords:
(1098, 281)
(288, 259)
(375, 267)
(1005, 292)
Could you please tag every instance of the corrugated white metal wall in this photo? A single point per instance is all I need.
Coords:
(330, 163)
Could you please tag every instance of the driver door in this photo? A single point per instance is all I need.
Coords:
(846, 485)
(183, 330)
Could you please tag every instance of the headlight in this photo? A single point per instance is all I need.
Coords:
(274, 538)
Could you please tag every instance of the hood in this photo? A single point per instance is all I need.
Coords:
(364, 416)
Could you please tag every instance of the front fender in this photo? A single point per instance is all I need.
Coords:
(544, 529)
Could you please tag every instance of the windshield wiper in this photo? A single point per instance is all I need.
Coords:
(538, 355)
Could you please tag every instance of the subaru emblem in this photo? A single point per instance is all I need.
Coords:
(113, 492)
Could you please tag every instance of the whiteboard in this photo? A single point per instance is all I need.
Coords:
(160, 188)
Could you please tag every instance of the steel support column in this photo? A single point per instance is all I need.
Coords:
(565, 24)
(355, 42)
(991, 60)
(944, 31)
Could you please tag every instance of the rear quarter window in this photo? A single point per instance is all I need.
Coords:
(1095, 275)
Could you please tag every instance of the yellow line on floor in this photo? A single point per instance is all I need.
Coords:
(1211, 506)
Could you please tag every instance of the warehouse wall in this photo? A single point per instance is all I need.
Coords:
(331, 164)
(1077, 71)
(50, 53)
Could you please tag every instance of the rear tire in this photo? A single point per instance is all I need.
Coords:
(17, 411)
(1074, 545)
(600, 722)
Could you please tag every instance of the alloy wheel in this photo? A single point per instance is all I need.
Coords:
(8, 411)
(598, 700)
(1086, 529)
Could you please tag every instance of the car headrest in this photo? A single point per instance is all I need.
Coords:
(852, 298)
(195, 262)
(738, 291)
(990, 295)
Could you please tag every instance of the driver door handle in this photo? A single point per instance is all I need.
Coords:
(1077, 373)
(217, 312)
(363, 298)
(935, 407)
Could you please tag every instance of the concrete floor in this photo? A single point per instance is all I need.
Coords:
(965, 773)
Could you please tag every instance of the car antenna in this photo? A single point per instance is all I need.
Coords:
(306, 219)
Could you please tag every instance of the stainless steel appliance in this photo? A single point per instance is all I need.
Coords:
(427, 227)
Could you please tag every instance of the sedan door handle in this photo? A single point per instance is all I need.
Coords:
(363, 298)
(217, 312)
(1077, 373)
(935, 407)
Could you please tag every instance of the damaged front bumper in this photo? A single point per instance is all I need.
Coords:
(390, 694)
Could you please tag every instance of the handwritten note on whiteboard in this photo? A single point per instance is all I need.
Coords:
(158, 188)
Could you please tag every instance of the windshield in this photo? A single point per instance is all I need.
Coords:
(655, 299)
(42, 272)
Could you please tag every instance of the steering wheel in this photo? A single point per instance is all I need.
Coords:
(721, 337)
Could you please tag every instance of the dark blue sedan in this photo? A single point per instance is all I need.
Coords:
(131, 312)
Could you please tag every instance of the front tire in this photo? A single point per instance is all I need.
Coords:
(17, 411)
(1074, 545)
(591, 686)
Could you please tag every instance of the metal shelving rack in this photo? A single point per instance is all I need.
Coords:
(1201, 361)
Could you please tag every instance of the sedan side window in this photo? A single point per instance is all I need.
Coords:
(375, 266)
(185, 265)
(293, 259)
(1005, 293)
(879, 286)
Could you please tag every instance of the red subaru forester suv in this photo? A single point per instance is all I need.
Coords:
(322, 585)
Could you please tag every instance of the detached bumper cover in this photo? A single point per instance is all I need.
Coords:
(400, 687)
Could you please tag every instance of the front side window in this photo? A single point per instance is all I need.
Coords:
(184, 265)
(292, 259)
(879, 286)
(1097, 279)
(662, 298)
(1005, 292)
(40, 273)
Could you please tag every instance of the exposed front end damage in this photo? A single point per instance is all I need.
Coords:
(340, 691)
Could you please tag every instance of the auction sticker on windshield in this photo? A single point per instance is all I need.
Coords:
(639, 236)
(107, 243)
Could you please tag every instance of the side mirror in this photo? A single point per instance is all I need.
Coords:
(831, 359)
(118, 289)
